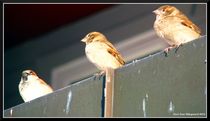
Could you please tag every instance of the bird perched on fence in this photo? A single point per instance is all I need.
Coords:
(174, 27)
(101, 52)
(31, 86)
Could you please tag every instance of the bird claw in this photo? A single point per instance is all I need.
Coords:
(166, 54)
(100, 74)
(166, 50)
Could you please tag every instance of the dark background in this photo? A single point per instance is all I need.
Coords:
(22, 22)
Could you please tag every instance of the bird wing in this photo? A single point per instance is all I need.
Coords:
(45, 84)
(186, 22)
(115, 53)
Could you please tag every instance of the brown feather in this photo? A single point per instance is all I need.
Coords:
(115, 53)
(186, 22)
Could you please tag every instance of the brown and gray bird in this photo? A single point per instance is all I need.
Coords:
(101, 52)
(174, 27)
(31, 86)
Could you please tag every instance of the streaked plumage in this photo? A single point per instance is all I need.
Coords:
(101, 52)
(174, 27)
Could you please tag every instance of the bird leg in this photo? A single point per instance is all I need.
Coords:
(166, 50)
(177, 47)
(100, 74)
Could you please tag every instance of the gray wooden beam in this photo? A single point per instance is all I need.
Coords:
(159, 86)
(153, 86)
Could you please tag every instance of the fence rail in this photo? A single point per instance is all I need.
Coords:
(153, 86)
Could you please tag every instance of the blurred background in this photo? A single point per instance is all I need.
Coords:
(46, 38)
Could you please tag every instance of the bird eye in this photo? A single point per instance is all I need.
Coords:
(163, 10)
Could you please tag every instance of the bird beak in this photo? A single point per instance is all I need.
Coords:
(156, 12)
(84, 39)
(24, 76)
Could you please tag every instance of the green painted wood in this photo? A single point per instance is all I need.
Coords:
(153, 86)
(82, 99)
(159, 86)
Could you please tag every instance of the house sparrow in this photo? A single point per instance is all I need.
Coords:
(174, 27)
(31, 86)
(101, 52)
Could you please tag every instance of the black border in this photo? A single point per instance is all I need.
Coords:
(77, 1)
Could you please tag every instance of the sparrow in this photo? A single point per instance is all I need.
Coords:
(31, 86)
(174, 27)
(101, 52)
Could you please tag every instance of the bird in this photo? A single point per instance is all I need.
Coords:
(101, 52)
(32, 87)
(174, 27)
